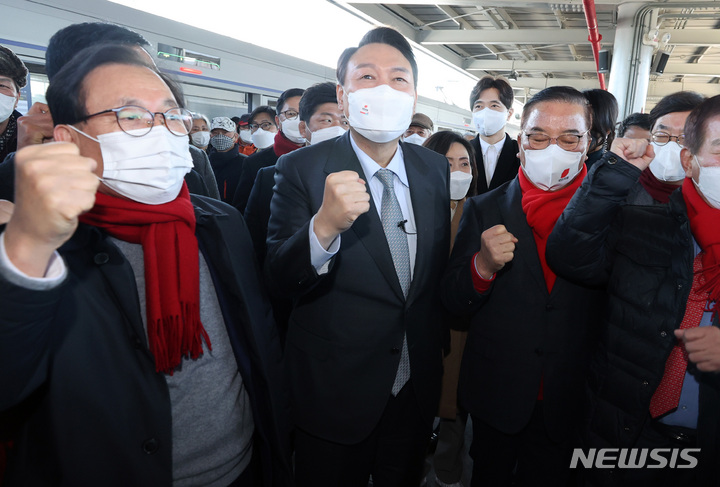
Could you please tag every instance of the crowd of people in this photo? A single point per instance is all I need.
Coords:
(308, 293)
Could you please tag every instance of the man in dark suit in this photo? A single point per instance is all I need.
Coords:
(495, 151)
(358, 237)
(529, 345)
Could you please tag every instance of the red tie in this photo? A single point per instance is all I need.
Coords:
(667, 395)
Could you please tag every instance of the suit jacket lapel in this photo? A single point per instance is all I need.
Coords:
(421, 184)
(516, 223)
(368, 227)
(482, 186)
(504, 168)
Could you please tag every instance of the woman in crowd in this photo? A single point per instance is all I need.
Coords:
(463, 176)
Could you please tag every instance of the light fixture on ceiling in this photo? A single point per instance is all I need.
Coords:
(513, 76)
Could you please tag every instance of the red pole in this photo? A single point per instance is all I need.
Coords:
(594, 36)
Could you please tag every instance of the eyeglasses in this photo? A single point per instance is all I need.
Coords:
(565, 141)
(290, 114)
(264, 126)
(138, 121)
(661, 138)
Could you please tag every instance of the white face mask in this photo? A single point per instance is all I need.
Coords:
(415, 139)
(666, 166)
(7, 105)
(380, 114)
(148, 169)
(263, 139)
(326, 134)
(291, 129)
(708, 183)
(489, 122)
(459, 184)
(246, 136)
(200, 139)
(552, 168)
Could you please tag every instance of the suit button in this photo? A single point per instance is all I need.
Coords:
(539, 351)
(612, 160)
(101, 258)
(394, 350)
(663, 334)
(150, 446)
(645, 383)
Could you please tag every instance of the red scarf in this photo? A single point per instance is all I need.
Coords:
(659, 190)
(172, 285)
(705, 226)
(283, 145)
(542, 210)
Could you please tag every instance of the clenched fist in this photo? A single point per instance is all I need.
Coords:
(637, 152)
(36, 126)
(497, 248)
(53, 186)
(345, 198)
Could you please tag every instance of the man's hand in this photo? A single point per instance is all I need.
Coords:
(53, 186)
(637, 152)
(344, 200)
(703, 346)
(35, 127)
(497, 248)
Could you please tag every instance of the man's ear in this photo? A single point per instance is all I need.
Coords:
(686, 159)
(339, 93)
(304, 130)
(511, 110)
(63, 133)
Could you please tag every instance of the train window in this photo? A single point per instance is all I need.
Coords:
(186, 56)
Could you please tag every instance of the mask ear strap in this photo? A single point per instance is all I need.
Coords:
(83, 133)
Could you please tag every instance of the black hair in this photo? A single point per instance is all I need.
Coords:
(563, 94)
(237, 123)
(499, 83)
(66, 43)
(379, 35)
(318, 94)
(67, 94)
(681, 101)
(292, 92)
(263, 109)
(440, 142)
(605, 113)
(12, 67)
(636, 119)
(697, 122)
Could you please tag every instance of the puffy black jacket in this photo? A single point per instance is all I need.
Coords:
(644, 255)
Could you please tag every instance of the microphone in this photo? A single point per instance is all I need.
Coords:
(401, 225)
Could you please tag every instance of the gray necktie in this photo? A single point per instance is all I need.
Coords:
(391, 216)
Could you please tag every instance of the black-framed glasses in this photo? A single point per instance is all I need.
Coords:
(662, 138)
(138, 121)
(569, 142)
(264, 126)
(290, 114)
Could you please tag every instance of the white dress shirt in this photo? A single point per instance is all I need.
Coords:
(319, 257)
(490, 160)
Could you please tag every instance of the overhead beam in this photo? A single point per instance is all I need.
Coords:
(692, 37)
(536, 66)
(511, 36)
(384, 16)
(473, 3)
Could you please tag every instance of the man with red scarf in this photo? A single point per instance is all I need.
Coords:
(654, 382)
(136, 344)
(531, 332)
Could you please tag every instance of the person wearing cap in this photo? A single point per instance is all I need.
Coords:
(245, 142)
(13, 76)
(496, 152)
(419, 130)
(226, 160)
